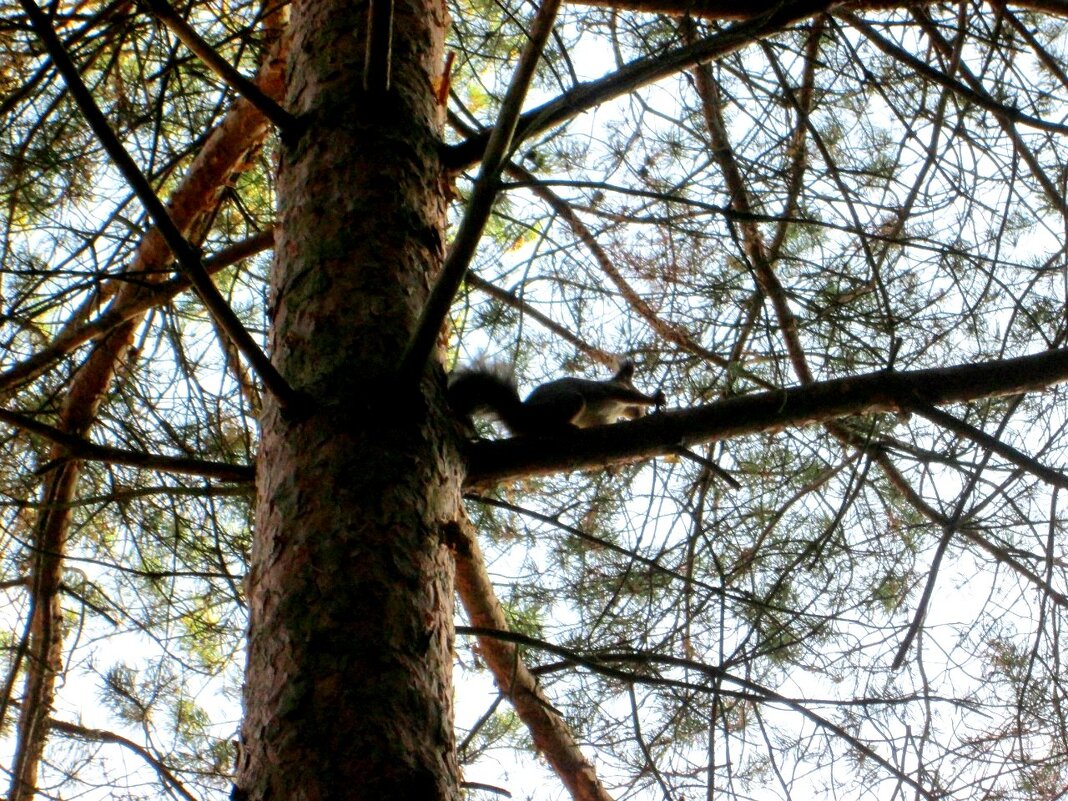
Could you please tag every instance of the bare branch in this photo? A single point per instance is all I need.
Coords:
(104, 736)
(498, 148)
(84, 449)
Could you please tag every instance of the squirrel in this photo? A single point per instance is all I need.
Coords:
(552, 408)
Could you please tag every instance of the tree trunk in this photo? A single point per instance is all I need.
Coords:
(348, 686)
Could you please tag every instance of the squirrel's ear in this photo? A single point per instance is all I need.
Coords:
(625, 371)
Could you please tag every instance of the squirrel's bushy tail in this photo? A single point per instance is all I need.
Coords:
(486, 389)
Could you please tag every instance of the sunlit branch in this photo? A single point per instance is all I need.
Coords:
(486, 788)
(247, 88)
(550, 732)
(379, 47)
(185, 253)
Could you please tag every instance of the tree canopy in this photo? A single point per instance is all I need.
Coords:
(833, 234)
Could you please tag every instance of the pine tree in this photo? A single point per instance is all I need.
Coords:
(244, 245)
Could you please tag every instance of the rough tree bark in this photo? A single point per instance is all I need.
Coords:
(348, 687)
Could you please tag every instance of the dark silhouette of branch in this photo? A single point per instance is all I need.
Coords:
(730, 9)
(104, 736)
(84, 449)
(517, 303)
(972, 95)
(925, 599)
(981, 438)
(640, 73)
(498, 149)
(492, 462)
(549, 730)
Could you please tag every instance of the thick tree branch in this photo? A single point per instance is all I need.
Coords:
(194, 201)
(548, 729)
(604, 663)
(492, 462)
